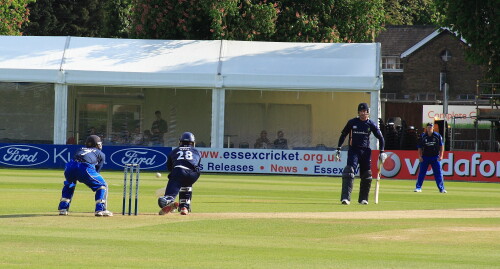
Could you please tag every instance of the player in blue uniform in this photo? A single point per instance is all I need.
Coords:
(430, 152)
(359, 130)
(184, 166)
(85, 167)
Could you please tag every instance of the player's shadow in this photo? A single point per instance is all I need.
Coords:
(24, 216)
(13, 216)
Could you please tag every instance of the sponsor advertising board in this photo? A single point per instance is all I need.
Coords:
(302, 162)
(457, 165)
(56, 156)
(464, 115)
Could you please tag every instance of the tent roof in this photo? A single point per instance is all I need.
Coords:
(191, 63)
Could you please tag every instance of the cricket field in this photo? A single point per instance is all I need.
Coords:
(250, 221)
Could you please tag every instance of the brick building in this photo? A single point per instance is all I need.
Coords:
(412, 63)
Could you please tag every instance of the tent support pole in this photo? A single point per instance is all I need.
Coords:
(375, 109)
(218, 104)
(60, 113)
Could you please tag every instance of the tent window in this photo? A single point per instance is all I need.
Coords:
(27, 111)
(306, 119)
(125, 116)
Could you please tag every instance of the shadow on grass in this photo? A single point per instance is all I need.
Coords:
(43, 215)
(25, 216)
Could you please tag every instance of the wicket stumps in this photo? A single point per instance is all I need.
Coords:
(129, 171)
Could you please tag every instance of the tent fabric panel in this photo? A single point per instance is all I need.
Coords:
(30, 75)
(179, 80)
(34, 52)
(146, 56)
(340, 83)
(299, 59)
(191, 63)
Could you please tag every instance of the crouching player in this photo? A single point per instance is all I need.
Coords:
(85, 167)
(183, 163)
(359, 130)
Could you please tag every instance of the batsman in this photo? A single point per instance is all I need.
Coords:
(184, 165)
(359, 130)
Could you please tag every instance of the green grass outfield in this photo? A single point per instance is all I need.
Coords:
(250, 221)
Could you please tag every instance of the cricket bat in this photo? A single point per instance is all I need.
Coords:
(377, 183)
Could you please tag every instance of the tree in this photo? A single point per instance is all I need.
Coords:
(117, 19)
(13, 14)
(91, 18)
(477, 22)
(42, 18)
(328, 20)
(410, 12)
(284, 20)
(169, 19)
(243, 20)
(202, 20)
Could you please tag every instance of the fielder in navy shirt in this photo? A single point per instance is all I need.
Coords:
(359, 130)
(184, 166)
(85, 167)
(430, 152)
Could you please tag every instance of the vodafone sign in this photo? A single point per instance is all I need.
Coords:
(456, 165)
(392, 165)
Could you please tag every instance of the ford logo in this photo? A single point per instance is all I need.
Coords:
(146, 158)
(23, 155)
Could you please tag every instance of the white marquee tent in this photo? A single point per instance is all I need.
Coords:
(216, 65)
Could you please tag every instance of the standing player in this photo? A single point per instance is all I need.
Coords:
(184, 166)
(85, 167)
(430, 151)
(359, 130)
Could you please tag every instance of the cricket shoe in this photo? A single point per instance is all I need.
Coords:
(443, 191)
(418, 190)
(169, 208)
(184, 211)
(104, 213)
(345, 202)
(63, 212)
(363, 202)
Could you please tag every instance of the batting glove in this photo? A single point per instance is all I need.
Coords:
(337, 155)
(382, 156)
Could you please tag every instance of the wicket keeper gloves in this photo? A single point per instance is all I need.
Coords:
(382, 156)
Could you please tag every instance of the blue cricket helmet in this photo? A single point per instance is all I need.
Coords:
(92, 141)
(187, 137)
(363, 106)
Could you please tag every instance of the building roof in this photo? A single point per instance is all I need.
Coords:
(397, 39)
